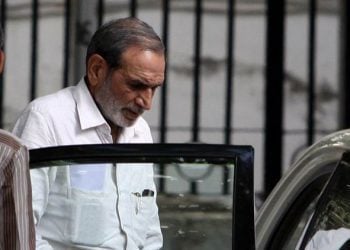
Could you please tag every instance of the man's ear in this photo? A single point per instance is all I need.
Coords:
(97, 69)
(2, 61)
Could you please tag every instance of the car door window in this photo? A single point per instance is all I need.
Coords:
(194, 211)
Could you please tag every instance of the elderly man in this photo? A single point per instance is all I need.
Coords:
(16, 214)
(95, 208)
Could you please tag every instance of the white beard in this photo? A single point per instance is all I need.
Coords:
(111, 107)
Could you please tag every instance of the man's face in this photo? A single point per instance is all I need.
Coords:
(127, 92)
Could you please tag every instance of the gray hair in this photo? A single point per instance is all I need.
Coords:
(116, 36)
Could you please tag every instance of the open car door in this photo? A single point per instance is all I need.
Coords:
(205, 192)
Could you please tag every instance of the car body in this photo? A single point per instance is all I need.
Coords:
(284, 216)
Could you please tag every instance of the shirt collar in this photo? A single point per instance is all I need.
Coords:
(90, 116)
(88, 113)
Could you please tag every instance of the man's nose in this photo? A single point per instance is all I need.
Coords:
(144, 100)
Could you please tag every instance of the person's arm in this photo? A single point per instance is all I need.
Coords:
(41, 179)
(23, 199)
(34, 132)
(15, 193)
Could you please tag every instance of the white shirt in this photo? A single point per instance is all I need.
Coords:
(72, 211)
(329, 239)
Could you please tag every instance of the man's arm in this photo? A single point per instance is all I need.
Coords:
(17, 225)
(23, 199)
(33, 129)
(34, 132)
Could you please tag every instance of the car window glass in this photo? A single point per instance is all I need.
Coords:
(190, 218)
(204, 192)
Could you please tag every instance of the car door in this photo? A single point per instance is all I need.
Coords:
(194, 211)
(282, 220)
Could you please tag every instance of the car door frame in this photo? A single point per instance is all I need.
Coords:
(243, 229)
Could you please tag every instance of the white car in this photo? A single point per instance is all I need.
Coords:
(312, 199)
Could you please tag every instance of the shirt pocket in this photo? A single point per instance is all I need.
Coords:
(89, 206)
(85, 224)
(143, 201)
(91, 218)
(143, 209)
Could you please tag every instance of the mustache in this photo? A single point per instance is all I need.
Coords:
(135, 109)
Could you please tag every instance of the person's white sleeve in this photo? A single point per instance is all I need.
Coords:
(41, 178)
(329, 240)
(33, 130)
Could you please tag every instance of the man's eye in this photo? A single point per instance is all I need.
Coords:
(136, 85)
(141, 86)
